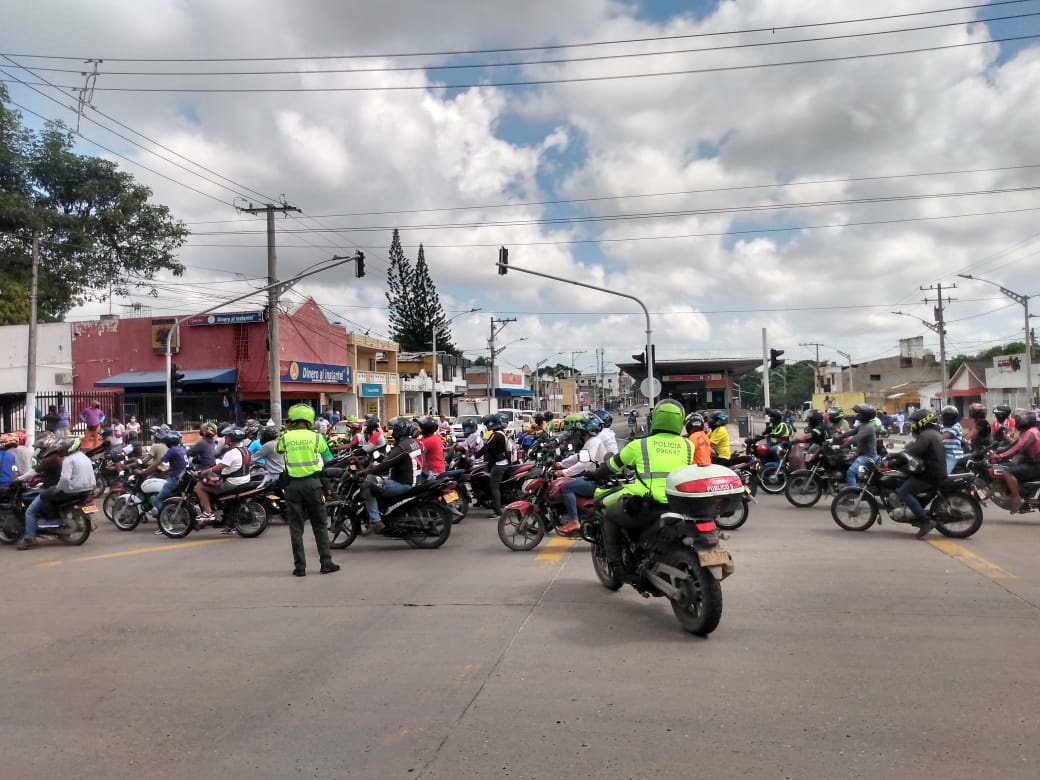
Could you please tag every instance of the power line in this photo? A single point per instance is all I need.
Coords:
(523, 63)
(542, 47)
(570, 80)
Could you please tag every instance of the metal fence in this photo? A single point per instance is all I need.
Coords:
(13, 414)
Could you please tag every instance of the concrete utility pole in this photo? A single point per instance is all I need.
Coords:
(30, 377)
(491, 349)
(274, 349)
(941, 330)
(765, 370)
(817, 385)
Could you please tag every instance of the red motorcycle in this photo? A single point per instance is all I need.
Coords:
(525, 522)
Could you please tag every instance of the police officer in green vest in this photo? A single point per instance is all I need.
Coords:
(305, 454)
(652, 458)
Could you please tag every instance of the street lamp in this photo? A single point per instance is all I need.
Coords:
(433, 362)
(1024, 300)
(940, 329)
(538, 375)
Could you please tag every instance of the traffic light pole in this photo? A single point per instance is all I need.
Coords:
(503, 267)
(278, 287)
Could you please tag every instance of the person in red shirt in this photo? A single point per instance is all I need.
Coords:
(699, 438)
(432, 447)
(1027, 467)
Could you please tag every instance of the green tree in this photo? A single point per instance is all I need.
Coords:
(99, 235)
(415, 307)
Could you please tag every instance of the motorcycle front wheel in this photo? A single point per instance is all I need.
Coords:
(343, 529)
(435, 526)
(698, 607)
(251, 519)
(854, 509)
(109, 504)
(803, 490)
(126, 516)
(521, 532)
(605, 572)
(772, 478)
(175, 520)
(957, 515)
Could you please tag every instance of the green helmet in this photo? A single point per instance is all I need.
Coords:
(571, 419)
(667, 417)
(303, 412)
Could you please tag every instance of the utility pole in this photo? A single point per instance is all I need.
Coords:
(817, 385)
(491, 348)
(599, 377)
(941, 330)
(30, 377)
(274, 348)
(574, 371)
(765, 370)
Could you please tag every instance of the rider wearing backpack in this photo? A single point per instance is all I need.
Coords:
(231, 471)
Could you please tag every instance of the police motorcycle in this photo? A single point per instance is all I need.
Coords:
(678, 556)
(953, 504)
(74, 513)
(422, 517)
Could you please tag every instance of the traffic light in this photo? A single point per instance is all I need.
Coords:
(359, 265)
(774, 358)
(641, 359)
(503, 261)
(176, 377)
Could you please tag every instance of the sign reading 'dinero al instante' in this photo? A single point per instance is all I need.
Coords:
(318, 373)
(228, 318)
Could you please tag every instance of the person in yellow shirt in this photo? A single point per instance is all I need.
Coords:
(718, 435)
(694, 424)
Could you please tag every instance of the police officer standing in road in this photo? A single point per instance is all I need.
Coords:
(305, 453)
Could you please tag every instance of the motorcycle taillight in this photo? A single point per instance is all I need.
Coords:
(706, 526)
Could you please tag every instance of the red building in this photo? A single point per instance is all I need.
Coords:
(223, 357)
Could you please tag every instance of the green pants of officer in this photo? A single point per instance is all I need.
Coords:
(303, 502)
(614, 519)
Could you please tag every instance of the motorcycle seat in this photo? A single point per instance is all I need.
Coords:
(334, 472)
(958, 480)
(70, 499)
(254, 483)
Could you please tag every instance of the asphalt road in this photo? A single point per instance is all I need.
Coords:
(840, 655)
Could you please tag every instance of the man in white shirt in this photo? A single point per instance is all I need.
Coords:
(232, 468)
(573, 466)
(77, 478)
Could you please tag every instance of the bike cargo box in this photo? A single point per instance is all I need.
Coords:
(704, 491)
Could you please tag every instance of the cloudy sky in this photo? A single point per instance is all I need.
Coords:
(657, 148)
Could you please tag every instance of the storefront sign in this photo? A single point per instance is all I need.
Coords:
(159, 330)
(371, 390)
(317, 373)
(229, 318)
(691, 377)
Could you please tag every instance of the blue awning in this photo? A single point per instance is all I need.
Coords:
(512, 392)
(192, 376)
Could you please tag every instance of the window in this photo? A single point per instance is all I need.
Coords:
(371, 364)
(875, 377)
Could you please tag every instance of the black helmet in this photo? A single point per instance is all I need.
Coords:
(469, 425)
(921, 419)
(549, 416)
(694, 422)
(835, 414)
(428, 426)
(492, 422)
(538, 418)
(950, 415)
(234, 433)
(977, 411)
(252, 431)
(814, 417)
(1001, 412)
(1025, 419)
(774, 415)
(106, 431)
(864, 412)
(268, 433)
(401, 428)
(371, 423)
(170, 438)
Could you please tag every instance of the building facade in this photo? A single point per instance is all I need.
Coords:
(53, 368)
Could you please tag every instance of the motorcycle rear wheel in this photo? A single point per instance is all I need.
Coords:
(699, 606)
(605, 572)
(854, 509)
(773, 480)
(175, 520)
(463, 507)
(436, 526)
(521, 532)
(100, 485)
(109, 503)
(125, 515)
(957, 515)
(737, 519)
(343, 528)
(251, 519)
(803, 490)
(81, 528)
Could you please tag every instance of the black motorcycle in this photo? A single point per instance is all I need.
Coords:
(677, 556)
(240, 509)
(824, 472)
(953, 504)
(422, 517)
(74, 514)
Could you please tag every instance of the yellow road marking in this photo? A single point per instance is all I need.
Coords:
(555, 549)
(137, 551)
(971, 560)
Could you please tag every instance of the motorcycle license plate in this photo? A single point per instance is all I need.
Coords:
(451, 496)
(717, 557)
(88, 509)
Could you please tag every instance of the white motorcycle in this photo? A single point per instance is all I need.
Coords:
(135, 501)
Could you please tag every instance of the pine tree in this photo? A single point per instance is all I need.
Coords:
(415, 307)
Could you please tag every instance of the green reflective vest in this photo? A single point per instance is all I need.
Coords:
(305, 451)
(653, 458)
